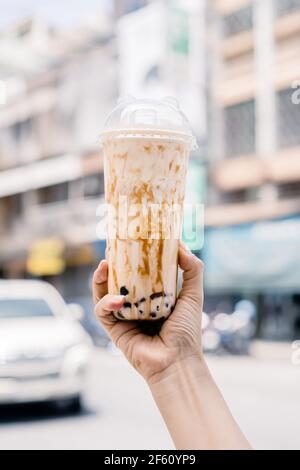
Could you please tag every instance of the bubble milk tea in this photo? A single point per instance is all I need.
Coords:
(146, 148)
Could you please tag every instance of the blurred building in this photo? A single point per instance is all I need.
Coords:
(169, 40)
(252, 246)
(59, 88)
(123, 7)
(234, 66)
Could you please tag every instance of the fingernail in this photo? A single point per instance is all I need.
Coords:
(118, 298)
(100, 276)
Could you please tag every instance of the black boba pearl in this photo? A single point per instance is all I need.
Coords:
(153, 315)
(127, 305)
(124, 291)
(157, 295)
(141, 312)
(167, 305)
(120, 315)
(140, 302)
(157, 308)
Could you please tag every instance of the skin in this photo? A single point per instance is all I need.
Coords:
(172, 362)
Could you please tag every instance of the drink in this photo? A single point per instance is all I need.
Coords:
(145, 170)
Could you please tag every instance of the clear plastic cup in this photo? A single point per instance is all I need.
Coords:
(146, 148)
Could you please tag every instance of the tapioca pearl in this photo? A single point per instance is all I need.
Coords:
(124, 290)
(165, 309)
(156, 302)
(157, 295)
(142, 300)
(155, 305)
(120, 315)
(127, 305)
(153, 315)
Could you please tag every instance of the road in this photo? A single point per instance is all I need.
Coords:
(262, 391)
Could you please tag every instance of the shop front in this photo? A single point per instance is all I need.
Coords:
(260, 262)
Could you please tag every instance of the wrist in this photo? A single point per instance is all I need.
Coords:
(193, 408)
(180, 372)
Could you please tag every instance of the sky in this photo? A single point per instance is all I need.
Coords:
(61, 13)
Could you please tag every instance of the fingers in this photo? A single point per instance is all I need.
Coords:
(192, 271)
(100, 281)
(120, 331)
(107, 305)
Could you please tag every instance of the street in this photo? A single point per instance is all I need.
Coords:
(262, 391)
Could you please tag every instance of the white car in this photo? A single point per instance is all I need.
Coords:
(44, 351)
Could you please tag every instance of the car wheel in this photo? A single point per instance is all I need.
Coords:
(71, 405)
(75, 405)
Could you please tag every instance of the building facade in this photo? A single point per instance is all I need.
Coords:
(253, 225)
(51, 168)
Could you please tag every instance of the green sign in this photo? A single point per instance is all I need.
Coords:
(178, 30)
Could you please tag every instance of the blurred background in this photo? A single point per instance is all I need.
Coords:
(234, 66)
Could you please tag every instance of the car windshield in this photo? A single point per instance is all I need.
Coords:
(23, 308)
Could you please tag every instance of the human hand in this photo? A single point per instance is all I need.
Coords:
(172, 363)
(180, 335)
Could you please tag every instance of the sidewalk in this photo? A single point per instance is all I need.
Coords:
(271, 350)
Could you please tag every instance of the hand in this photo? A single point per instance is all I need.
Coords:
(180, 335)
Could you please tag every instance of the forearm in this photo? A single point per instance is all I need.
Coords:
(193, 408)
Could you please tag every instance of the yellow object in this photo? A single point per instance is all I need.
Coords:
(46, 257)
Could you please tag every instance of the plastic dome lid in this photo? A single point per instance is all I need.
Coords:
(145, 117)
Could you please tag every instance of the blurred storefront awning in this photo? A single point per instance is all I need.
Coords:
(259, 257)
(39, 175)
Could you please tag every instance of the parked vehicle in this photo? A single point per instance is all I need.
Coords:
(44, 351)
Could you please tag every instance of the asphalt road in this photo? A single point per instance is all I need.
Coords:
(262, 391)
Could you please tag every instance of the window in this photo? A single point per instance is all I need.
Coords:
(237, 22)
(235, 197)
(16, 131)
(123, 7)
(12, 208)
(23, 140)
(240, 129)
(52, 194)
(24, 308)
(22, 129)
(289, 190)
(93, 185)
(284, 7)
(288, 119)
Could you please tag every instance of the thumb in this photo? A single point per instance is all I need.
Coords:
(193, 269)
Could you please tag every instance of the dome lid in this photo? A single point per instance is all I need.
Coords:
(140, 117)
